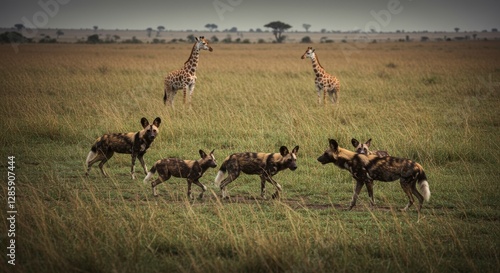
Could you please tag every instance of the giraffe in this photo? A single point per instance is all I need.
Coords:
(185, 78)
(323, 81)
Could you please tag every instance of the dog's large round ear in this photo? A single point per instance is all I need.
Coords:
(334, 145)
(368, 142)
(212, 152)
(144, 122)
(157, 122)
(295, 150)
(355, 142)
(202, 154)
(284, 150)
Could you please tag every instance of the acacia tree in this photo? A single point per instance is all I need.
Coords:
(149, 30)
(59, 33)
(160, 29)
(211, 27)
(306, 26)
(278, 29)
(19, 27)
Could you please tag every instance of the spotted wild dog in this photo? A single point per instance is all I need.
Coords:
(193, 170)
(132, 143)
(367, 168)
(266, 165)
(362, 148)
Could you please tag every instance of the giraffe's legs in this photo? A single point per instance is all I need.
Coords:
(184, 91)
(318, 89)
(191, 91)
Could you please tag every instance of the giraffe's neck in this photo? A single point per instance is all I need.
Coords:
(191, 64)
(317, 68)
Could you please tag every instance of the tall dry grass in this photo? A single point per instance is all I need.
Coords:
(436, 103)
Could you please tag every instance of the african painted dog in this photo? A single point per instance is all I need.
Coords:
(266, 165)
(124, 143)
(191, 169)
(367, 168)
(362, 148)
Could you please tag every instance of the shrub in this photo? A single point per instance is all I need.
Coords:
(306, 39)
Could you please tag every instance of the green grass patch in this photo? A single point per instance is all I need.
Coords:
(438, 108)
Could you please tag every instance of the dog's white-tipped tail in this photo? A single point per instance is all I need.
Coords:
(151, 172)
(424, 188)
(90, 156)
(148, 176)
(424, 185)
(219, 178)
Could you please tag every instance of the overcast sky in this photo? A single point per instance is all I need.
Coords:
(382, 15)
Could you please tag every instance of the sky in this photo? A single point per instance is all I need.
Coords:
(331, 15)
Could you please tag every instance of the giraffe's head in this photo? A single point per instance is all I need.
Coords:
(202, 43)
(308, 54)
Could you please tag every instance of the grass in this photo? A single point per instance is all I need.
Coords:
(436, 103)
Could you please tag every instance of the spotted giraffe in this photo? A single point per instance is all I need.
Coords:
(323, 81)
(185, 78)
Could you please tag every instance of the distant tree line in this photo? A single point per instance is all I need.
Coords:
(277, 28)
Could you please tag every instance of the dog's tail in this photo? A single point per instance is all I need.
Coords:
(90, 156)
(220, 174)
(151, 172)
(93, 151)
(424, 185)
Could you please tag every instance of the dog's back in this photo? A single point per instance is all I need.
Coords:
(117, 142)
(178, 167)
(250, 163)
(388, 168)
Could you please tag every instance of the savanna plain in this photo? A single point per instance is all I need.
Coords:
(435, 103)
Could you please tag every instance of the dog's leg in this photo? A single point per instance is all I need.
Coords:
(276, 194)
(132, 167)
(262, 187)
(156, 182)
(103, 161)
(357, 190)
(143, 164)
(232, 175)
(405, 184)
(417, 194)
(101, 167)
(369, 187)
(93, 158)
(203, 188)
(189, 181)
